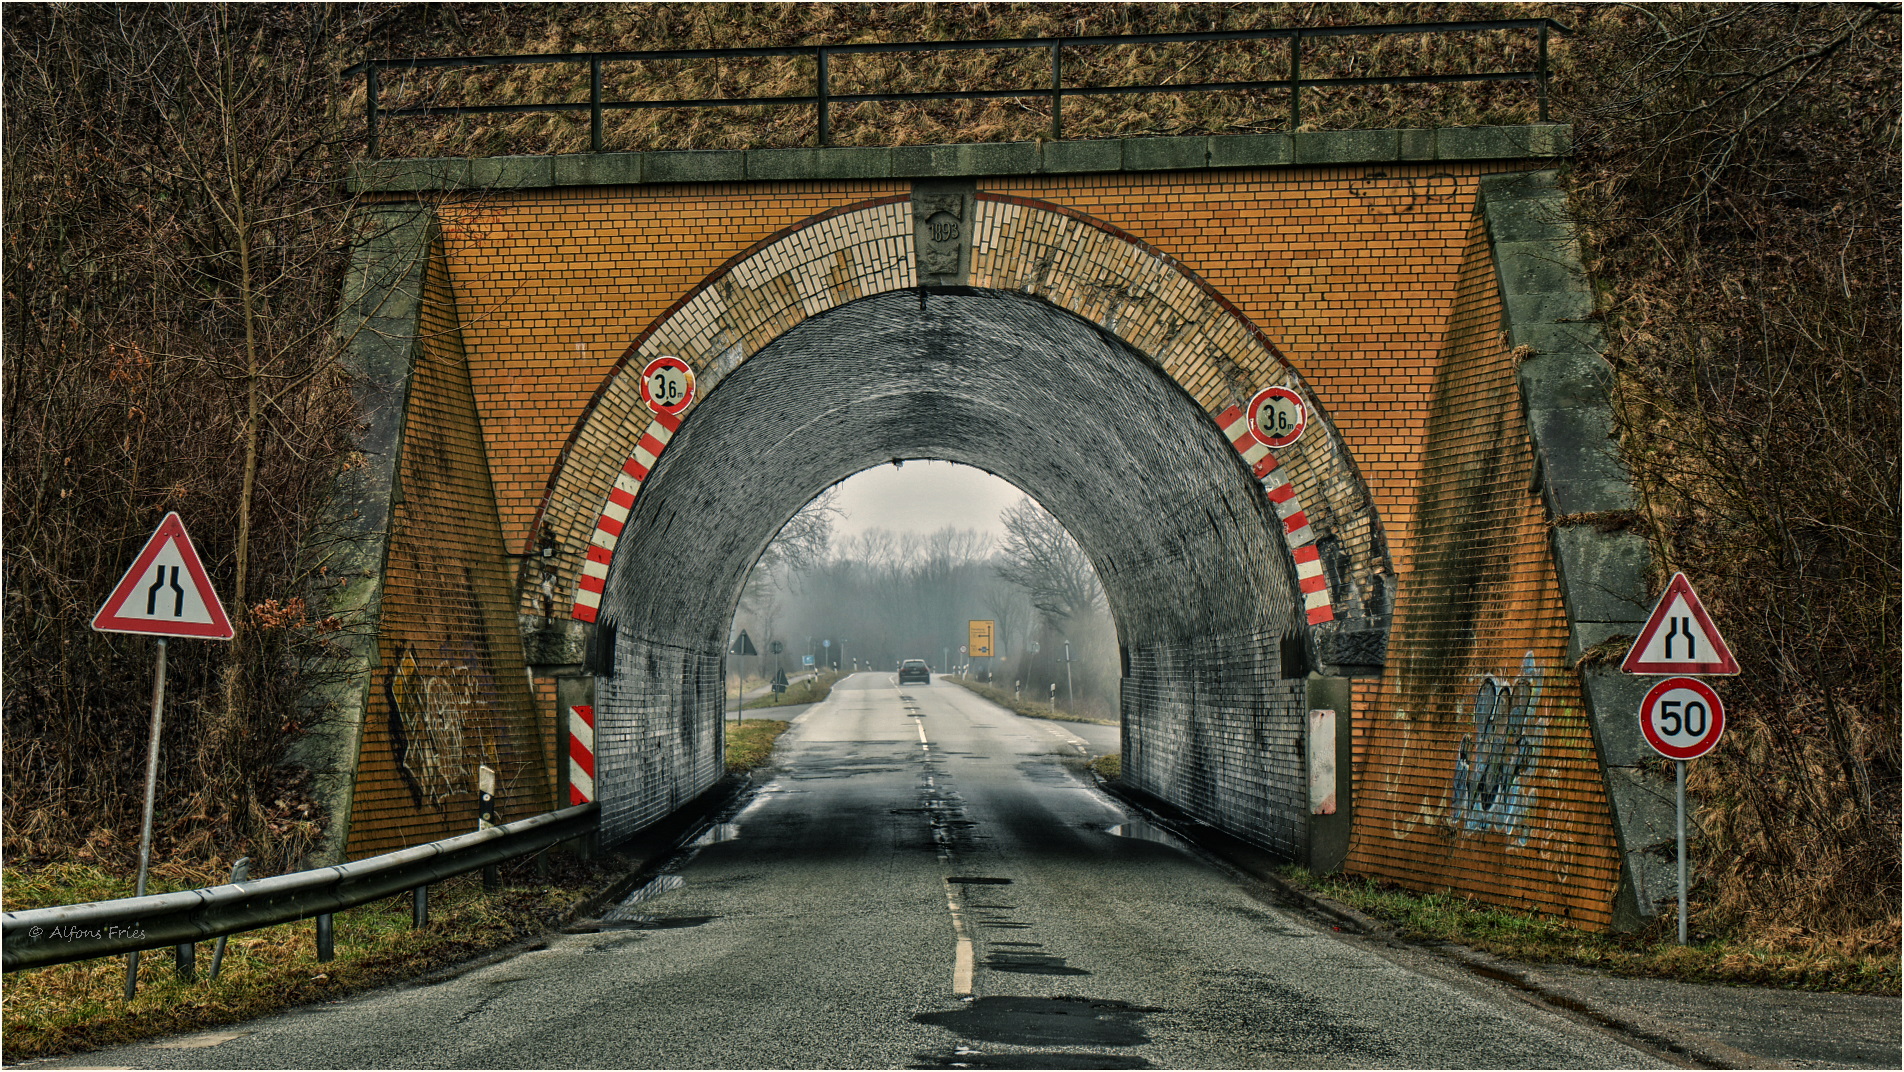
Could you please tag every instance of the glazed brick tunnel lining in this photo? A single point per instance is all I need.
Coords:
(1190, 552)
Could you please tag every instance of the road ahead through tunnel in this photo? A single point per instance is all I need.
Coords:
(928, 883)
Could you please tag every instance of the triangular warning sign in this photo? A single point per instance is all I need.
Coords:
(1679, 637)
(166, 592)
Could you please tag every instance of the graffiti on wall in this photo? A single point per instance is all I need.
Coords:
(1494, 766)
(428, 714)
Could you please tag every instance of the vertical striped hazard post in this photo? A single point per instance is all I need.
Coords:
(1254, 444)
(581, 753)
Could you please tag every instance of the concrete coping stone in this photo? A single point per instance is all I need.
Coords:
(1086, 156)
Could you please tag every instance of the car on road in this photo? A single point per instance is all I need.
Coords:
(915, 670)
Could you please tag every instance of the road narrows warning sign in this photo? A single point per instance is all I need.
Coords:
(166, 592)
(1679, 637)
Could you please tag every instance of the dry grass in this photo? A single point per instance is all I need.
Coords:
(613, 27)
(75, 1007)
(1757, 960)
(750, 743)
(1028, 708)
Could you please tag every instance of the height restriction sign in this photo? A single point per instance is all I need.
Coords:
(1277, 416)
(667, 384)
(166, 592)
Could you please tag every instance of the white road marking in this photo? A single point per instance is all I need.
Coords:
(963, 959)
(198, 1042)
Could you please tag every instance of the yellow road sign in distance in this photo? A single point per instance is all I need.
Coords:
(980, 637)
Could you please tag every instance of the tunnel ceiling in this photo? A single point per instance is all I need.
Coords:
(1178, 530)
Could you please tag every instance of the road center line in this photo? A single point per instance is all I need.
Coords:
(963, 958)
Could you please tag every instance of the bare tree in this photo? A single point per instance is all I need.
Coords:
(170, 282)
(1041, 557)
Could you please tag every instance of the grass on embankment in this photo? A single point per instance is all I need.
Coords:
(1444, 917)
(74, 1007)
(812, 690)
(750, 743)
(1027, 708)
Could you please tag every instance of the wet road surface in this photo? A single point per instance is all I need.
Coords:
(926, 883)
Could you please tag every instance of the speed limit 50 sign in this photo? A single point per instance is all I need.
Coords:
(1682, 718)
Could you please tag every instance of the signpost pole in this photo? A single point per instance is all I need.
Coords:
(151, 790)
(1680, 830)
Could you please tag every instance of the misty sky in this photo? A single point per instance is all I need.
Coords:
(923, 497)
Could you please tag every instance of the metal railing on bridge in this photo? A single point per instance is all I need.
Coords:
(824, 100)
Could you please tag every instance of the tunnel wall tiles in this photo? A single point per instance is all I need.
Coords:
(1478, 772)
(450, 692)
(663, 747)
(1212, 726)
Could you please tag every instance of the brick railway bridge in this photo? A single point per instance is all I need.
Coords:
(1083, 319)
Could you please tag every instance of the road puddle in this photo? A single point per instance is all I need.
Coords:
(1141, 830)
(1059, 1021)
(718, 833)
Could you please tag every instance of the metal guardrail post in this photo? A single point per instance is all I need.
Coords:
(187, 957)
(62, 934)
(239, 872)
(820, 91)
(370, 109)
(595, 104)
(419, 908)
(326, 937)
(1057, 90)
(1543, 72)
(1295, 81)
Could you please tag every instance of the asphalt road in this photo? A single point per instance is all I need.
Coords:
(926, 884)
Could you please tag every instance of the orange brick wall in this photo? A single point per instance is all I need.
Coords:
(450, 692)
(1478, 771)
(1373, 282)
(555, 284)
(1347, 269)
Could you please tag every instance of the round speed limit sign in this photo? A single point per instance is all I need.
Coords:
(667, 385)
(1277, 416)
(1682, 718)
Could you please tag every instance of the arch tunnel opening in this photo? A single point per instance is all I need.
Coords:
(936, 562)
(1195, 574)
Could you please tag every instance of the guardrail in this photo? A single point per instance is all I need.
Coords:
(39, 937)
(823, 99)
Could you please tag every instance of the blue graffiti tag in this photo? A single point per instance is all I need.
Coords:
(1491, 768)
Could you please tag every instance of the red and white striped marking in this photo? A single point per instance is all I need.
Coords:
(621, 499)
(581, 753)
(1296, 531)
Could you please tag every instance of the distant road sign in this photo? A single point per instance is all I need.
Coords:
(1679, 637)
(979, 636)
(166, 592)
(743, 645)
(667, 384)
(1277, 416)
(1682, 718)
